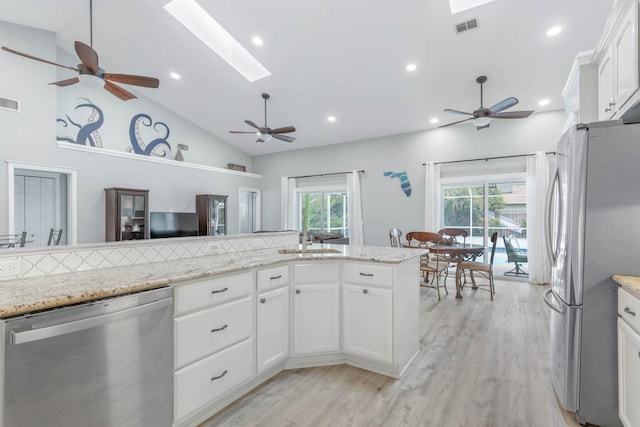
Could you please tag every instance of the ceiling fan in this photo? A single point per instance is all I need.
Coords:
(90, 73)
(265, 133)
(482, 116)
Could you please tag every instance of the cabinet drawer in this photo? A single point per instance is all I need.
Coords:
(317, 272)
(203, 382)
(271, 278)
(629, 308)
(202, 333)
(368, 274)
(207, 292)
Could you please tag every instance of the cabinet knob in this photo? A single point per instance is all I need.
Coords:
(364, 291)
(297, 291)
(606, 110)
(263, 300)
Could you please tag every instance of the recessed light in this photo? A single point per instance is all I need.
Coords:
(411, 67)
(554, 31)
(331, 119)
(257, 41)
(543, 102)
(434, 120)
(174, 75)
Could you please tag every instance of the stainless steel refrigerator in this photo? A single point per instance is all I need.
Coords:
(593, 232)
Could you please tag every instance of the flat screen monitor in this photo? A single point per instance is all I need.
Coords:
(173, 224)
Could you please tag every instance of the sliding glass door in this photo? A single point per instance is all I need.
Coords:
(324, 212)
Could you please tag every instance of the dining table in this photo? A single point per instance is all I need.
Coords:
(458, 252)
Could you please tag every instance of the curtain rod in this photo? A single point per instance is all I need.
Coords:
(324, 174)
(489, 158)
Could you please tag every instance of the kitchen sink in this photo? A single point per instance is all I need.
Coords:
(309, 251)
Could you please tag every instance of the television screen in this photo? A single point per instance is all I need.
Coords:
(173, 224)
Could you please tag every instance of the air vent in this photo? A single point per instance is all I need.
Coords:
(9, 104)
(469, 25)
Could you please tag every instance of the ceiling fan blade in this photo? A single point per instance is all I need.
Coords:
(283, 137)
(67, 82)
(285, 129)
(448, 110)
(250, 123)
(242, 131)
(455, 123)
(26, 55)
(118, 91)
(512, 115)
(87, 55)
(130, 79)
(502, 105)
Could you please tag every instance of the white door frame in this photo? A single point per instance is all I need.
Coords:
(257, 207)
(72, 194)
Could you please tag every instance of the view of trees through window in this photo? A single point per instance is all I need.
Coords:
(326, 212)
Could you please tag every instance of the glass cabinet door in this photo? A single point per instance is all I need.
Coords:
(212, 214)
(127, 213)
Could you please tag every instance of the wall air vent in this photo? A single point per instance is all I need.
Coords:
(469, 25)
(9, 104)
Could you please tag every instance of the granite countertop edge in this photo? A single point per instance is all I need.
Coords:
(629, 283)
(28, 295)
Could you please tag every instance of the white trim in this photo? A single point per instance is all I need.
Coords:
(133, 156)
(72, 194)
(257, 207)
(480, 179)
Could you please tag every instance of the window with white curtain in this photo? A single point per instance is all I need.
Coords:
(323, 203)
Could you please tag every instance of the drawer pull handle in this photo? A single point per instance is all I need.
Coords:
(263, 300)
(366, 274)
(221, 290)
(364, 291)
(219, 329)
(220, 376)
(297, 291)
(279, 276)
(629, 311)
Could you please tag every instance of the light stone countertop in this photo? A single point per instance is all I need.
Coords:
(629, 283)
(28, 295)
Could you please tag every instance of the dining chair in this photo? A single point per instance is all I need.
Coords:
(454, 234)
(485, 269)
(394, 236)
(54, 237)
(515, 255)
(430, 263)
(8, 241)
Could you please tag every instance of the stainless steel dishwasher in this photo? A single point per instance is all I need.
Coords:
(102, 363)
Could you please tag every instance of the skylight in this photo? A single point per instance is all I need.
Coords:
(462, 5)
(203, 26)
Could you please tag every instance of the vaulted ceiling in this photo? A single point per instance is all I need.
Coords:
(333, 57)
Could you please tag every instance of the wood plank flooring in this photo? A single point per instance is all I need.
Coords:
(481, 363)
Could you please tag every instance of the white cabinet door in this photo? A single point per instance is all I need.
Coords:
(605, 86)
(628, 374)
(272, 328)
(368, 322)
(625, 45)
(316, 318)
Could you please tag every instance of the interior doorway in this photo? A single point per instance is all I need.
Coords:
(249, 210)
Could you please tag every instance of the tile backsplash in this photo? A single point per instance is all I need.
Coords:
(17, 264)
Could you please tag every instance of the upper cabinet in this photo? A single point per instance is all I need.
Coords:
(127, 214)
(617, 59)
(212, 214)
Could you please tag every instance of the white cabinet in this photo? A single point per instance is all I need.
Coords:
(272, 313)
(628, 358)
(617, 58)
(316, 308)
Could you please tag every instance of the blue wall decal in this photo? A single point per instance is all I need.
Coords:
(404, 181)
(138, 146)
(88, 132)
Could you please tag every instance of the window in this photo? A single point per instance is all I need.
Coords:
(326, 211)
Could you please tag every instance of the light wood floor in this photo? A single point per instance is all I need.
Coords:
(481, 363)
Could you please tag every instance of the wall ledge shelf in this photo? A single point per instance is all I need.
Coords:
(133, 156)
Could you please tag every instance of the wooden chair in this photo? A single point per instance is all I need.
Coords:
(454, 233)
(515, 255)
(430, 263)
(54, 237)
(13, 240)
(480, 267)
(394, 236)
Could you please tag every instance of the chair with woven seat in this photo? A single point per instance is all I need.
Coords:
(429, 263)
(515, 255)
(394, 236)
(486, 269)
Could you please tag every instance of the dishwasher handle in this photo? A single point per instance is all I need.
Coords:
(91, 322)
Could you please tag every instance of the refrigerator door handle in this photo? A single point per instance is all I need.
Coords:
(547, 301)
(551, 251)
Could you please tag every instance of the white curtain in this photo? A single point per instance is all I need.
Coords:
(537, 185)
(356, 228)
(432, 191)
(288, 203)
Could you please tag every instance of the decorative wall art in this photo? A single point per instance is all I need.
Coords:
(87, 132)
(404, 181)
(156, 146)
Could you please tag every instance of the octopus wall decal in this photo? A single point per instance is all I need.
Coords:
(87, 133)
(404, 181)
(155, 147)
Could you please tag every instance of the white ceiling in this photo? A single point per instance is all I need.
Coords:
(332, 57)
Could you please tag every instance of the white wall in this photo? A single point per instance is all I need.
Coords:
(384, 203)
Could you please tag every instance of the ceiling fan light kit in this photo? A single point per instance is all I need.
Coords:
(481, 117)
(265, 133)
